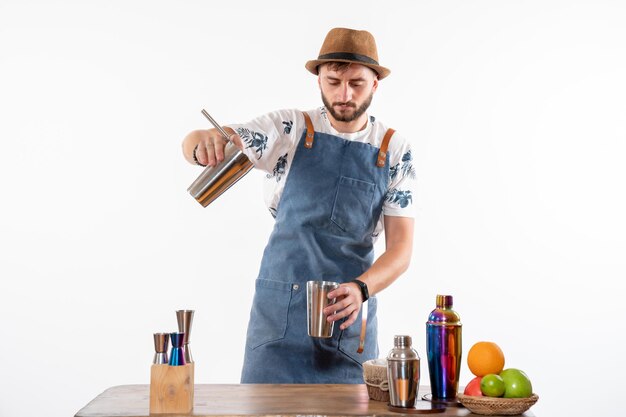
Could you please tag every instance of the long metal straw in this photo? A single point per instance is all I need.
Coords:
(217, 126)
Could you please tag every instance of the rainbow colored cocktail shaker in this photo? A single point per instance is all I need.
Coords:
(443, 349)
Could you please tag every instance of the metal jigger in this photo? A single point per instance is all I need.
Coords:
(161, 341)
(185, 319)
(177, 356)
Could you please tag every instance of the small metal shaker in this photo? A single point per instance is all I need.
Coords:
(443, 347)
(161, 342)
(403, 373)
(177, 355)
(185, 319)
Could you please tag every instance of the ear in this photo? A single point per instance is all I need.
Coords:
(375, 85)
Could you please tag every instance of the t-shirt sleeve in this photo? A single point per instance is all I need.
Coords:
(400, 197)
(269, 138)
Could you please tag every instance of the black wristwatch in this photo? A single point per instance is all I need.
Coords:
(363, 286)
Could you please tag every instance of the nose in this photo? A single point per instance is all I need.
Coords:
(345, 93)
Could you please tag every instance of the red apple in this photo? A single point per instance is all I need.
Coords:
(473, 388)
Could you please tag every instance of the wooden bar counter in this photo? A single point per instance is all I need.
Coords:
(256, 400)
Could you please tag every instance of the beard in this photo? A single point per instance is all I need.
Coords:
(347, 116)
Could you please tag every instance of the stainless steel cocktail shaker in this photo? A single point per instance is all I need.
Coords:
(215, 180)
(443, 347)
(403, 373)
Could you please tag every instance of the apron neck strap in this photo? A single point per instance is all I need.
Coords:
(382, 153)
(310, 132)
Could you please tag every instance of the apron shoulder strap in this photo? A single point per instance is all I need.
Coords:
(310, 132)
(382, 153)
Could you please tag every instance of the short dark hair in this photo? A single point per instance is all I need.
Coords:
(340, 66)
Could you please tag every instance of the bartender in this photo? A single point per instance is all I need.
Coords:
(336, 178)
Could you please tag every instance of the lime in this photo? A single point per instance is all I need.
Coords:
(492, 385)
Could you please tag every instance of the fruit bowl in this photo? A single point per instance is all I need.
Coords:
(375, 377)
(489, 406)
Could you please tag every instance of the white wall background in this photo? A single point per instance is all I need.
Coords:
(518, 118)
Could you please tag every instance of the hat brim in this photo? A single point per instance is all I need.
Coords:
(313, 65)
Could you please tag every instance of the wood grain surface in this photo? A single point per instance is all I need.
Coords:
(171, 389)
(255, 400)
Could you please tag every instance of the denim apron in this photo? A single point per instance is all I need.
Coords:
(329, 208)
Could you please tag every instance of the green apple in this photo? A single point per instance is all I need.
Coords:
(492, 385)
(516, 384)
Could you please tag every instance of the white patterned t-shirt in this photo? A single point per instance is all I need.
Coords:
(270, 142)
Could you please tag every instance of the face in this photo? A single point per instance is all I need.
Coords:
(347, 93)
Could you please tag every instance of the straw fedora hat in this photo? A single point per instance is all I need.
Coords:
(349, 45)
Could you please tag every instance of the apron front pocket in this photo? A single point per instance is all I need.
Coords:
(352, 210)
(270, 309)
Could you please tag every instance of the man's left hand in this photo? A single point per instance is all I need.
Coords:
(348, 304)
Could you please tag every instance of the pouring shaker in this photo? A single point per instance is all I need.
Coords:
(215, 180)
(161, 342)
(185, 319)
(443, 346)
(177, 355)
(403, 373)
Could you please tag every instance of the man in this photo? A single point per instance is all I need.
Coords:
(336, 178)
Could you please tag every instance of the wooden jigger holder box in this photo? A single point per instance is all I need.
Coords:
(171, 389)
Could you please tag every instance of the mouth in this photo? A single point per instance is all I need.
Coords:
(344, 106)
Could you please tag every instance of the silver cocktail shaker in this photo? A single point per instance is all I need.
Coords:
(403, 373)
(443, 348)
(214, 181)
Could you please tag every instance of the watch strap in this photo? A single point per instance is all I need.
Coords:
(363, 287)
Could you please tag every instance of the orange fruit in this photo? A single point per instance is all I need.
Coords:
(485, 358)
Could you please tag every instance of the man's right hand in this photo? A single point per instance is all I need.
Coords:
(210, 146)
